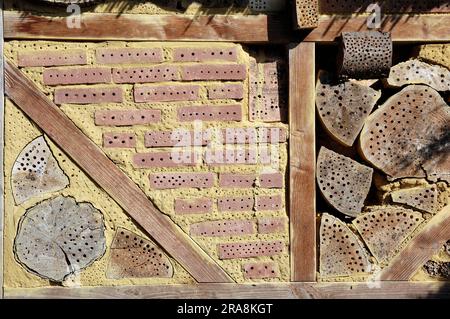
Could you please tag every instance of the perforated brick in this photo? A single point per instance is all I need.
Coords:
(269, 202)
(210, 113)
(166, 93)
(195, 206)
(129, 55)
(271, 135)
(160, 73)
(174, 158)
(180, 137)
(250, 249)
(271, 180)
(204, 54)
(237, 180)
(119, 140)
(261, 270)
(214, 72)
(85, 75)
(181, 180)
(269, 225)
(226, 91)
(307, 12)
(127, 117)
(95, 95)
(239, 135)
(222, 228)
(52, 58)
(235, 204)
(233, 156)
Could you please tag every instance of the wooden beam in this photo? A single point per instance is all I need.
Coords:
(382, 290)
(403, 28)
(29, 98)
(2, 141)
(420, 249)
(144, 27)
(302, 161)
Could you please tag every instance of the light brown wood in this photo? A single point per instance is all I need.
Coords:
(2, 140)
(420, 249)
(28, 97)
(302, 161)
(108, 26)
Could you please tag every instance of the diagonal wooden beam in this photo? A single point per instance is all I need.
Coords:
(29, 98)
(421, 248)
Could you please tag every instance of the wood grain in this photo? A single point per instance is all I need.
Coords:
(302, 162)
(2, 141)
(28, 97)
(420, 249)
(94, 26)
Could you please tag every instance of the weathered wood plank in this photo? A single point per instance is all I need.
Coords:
(246, 29)
(2, 140)
(420, 249)
(302, 161)
(28, 97)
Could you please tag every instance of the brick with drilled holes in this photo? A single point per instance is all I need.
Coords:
(52, 58)
(166, 93)
(237, 180)
(261, 270)
(89, 95)
(180, 137)
(119, 140)
(231, 156)
(226, 91)
(269, 202)
(195, 206)
(222, 228)
(160, 73)
(239, 135)
(250, 249)
(127, 117)
(85, 75)
(268, 154)
(204, 54)
(214, 72)
(181, 180)
(235, 204)
(271, 135)
(129, 55)
(174, 158)
(210, 113)
(271, 180)
(268, 225)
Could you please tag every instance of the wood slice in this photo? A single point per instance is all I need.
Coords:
(61, 2)
(423, 198)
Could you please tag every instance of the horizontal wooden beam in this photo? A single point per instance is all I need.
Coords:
(378, 290)
(143, 27)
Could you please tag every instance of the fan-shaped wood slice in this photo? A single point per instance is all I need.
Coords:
(343, 106)
(423, 198)
(418, 72)
(133, 256)
(36, 172)
(341, 252)
(409, 135)
(343, 182)
(384, 229)
(59, 237)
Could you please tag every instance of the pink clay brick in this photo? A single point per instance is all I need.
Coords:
(271, 135)
(165, 159)
(236, 155)
(180, 137)
(210, 113)
(196, 206)
(90, 95)
(119, 140)
(85, 75)
(268, 225)
(127, 117)
(227, 180)
(261, 270)
(166, 93)
(204, 54)
(239, 135)
(222, 228)
(214, 72)
(271, 180)
(129, 55)
(226, 91)
(181, 180)
(52, 58)
(265, 154)
(250, 249)
(160, 73)
(235, 204)
(269, 202)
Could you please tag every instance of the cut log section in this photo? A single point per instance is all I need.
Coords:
(341, 252)
(66, 2)
(343, 182)
(133, 256)
(36, 172)
(409, 135)
(423, 198)
(343, 106)
(365, 55)
(418, 72)
(59, 237)
(383, 229)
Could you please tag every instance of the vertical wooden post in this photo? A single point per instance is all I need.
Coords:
(2, 117)
(302, 161)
